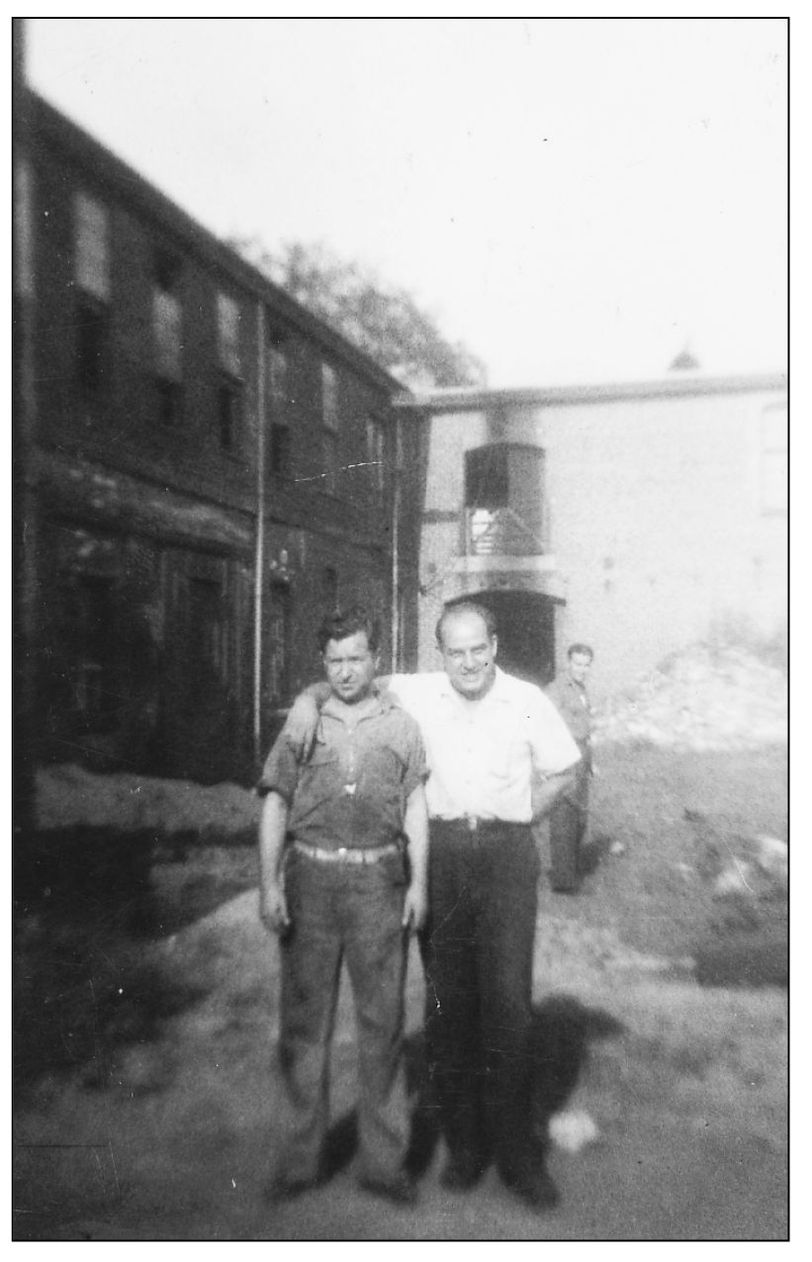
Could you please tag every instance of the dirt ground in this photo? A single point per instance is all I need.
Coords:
(144, 1040)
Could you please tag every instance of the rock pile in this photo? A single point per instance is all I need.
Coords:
(68, 796)
(704, 698)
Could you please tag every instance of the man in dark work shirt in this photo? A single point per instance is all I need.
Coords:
(337, 882)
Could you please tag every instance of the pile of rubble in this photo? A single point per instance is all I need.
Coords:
(704, 698)
(67, 795)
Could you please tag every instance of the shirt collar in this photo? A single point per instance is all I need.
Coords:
(385, 703)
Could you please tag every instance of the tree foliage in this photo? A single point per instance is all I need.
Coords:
(380, 319)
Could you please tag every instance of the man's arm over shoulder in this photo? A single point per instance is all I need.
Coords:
(302, 722)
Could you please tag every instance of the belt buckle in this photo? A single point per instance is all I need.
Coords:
(471, 823)
(342, 854)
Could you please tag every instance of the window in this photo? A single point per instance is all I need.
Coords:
(23, 228)
(277, 378)
(329, 397)
(91, 614)
(486, 477)
(774, 460)
(167, 327)
(92, 276)
(279, 447)
(206, 642)
(504, 496)
(375, 454)
(92, 320)
(92, 244)
(228, 334)
(278, 685)
(329, 416)
(229, 412)
(229, 386)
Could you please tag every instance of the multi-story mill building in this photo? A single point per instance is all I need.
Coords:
(202, 469)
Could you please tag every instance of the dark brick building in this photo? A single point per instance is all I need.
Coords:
(202, 468)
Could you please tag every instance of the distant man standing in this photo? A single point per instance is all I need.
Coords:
(336, 882)
(569, 815)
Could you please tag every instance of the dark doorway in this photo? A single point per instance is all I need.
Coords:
(526, 629)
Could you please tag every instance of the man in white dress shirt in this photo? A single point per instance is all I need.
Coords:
(499, 755)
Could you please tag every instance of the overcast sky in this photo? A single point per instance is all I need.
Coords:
(571, 198)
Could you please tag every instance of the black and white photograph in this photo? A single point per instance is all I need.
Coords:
(400, 554)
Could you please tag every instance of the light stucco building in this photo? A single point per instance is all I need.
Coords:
(641, 517)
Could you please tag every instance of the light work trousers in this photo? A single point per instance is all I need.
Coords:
(343, 912)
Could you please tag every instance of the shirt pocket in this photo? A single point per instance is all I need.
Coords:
(320, 777)
(507, 752)
(382, 772)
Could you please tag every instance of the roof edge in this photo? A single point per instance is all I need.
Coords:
(472, 399)
(107, 167)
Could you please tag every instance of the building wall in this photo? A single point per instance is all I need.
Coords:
(657, 521)
(144, 535)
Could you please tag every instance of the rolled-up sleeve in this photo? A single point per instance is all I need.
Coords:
(414, 756)
(280, 773)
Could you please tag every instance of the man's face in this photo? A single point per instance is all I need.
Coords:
(469, 654)
(351, 666)
(579, 667)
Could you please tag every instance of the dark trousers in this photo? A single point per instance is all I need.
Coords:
(478, 957)
(354, 913)
(568, 821)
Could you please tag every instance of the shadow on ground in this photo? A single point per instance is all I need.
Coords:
(87, 901)
(561, 1032)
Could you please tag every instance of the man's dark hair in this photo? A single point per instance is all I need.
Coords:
(339, 625)
(584, 649)
(465, 606)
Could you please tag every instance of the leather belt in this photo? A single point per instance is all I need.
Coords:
(371, 854)
(477, 823)
(473, 823)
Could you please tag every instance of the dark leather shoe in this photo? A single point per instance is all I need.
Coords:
(399, 1191)
(533, 1186)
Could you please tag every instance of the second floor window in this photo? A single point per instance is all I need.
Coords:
(92, 247)
(329, 397)
(228, 334)
(504, 496)
(229, 412)
(229, 385)
(167, 317)
(279, 439)
(375, 454)
(92, 278)
(329, 417)
(23, 230)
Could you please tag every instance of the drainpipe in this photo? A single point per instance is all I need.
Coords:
(259, 553)
(396, 663)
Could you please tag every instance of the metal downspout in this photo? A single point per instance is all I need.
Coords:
(259, 555)
(396, 663)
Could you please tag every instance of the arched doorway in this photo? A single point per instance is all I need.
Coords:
(525, 624)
